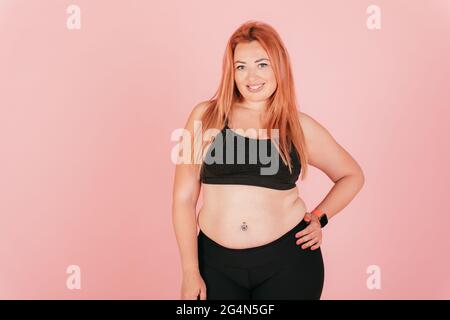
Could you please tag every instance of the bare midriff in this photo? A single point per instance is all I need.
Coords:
(242, 216)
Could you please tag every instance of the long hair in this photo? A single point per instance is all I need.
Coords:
(282, 111)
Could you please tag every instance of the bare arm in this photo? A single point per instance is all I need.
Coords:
(328, 156)
(186, 191)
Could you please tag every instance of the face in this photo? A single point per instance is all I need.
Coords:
(253, 72)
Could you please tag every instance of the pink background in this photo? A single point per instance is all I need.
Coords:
(86, 117)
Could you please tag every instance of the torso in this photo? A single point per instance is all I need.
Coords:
(267, 213)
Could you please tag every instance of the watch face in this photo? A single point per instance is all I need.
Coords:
(323, 220)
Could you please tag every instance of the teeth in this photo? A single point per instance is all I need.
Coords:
(256, 87)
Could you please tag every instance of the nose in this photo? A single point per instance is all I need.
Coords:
(252, 76)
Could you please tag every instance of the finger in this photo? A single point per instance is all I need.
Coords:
(303, 239)
(310, 243)
(203, 294)
(305, 231)
(186, 296)
(307, 237)
(316, 246)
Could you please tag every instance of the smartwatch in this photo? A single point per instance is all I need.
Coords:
(322, 217)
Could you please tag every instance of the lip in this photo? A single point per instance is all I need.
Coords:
(255, 90)
(255, 84)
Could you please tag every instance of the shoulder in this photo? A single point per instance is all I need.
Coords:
(312, 129)
(196, 114)
(304, 119)
(199, 109)
(324, 152)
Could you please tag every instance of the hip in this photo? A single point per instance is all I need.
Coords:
(282, 250)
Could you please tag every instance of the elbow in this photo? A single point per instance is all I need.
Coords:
(360, 178)
(356, 177)
(183, 203)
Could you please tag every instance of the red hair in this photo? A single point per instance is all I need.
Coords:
(282, 111)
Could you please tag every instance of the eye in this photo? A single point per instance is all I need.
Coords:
(239, 67)
(263, 64)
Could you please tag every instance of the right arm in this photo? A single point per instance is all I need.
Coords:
(186, 190)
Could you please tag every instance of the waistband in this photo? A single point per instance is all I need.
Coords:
(253, 256)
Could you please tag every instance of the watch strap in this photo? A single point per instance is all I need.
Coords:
(322, 217)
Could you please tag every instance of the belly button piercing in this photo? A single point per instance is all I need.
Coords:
(244, 227)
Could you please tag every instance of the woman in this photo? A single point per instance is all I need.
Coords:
(256, 239)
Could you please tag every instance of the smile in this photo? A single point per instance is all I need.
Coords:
(255, 88)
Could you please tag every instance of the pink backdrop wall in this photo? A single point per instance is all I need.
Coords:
(86, 117)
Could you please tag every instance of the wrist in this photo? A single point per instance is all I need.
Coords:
(321, 216)
(190, 269)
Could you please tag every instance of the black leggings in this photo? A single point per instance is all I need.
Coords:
(280, 269)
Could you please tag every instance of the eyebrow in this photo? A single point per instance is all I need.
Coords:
(255, 60)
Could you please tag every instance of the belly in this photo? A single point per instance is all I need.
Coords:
(267, 214)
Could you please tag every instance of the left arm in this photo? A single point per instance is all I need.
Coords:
(328, 156)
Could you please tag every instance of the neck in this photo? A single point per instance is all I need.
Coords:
(255, 106)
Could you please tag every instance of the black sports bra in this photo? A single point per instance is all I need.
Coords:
(256, 165)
